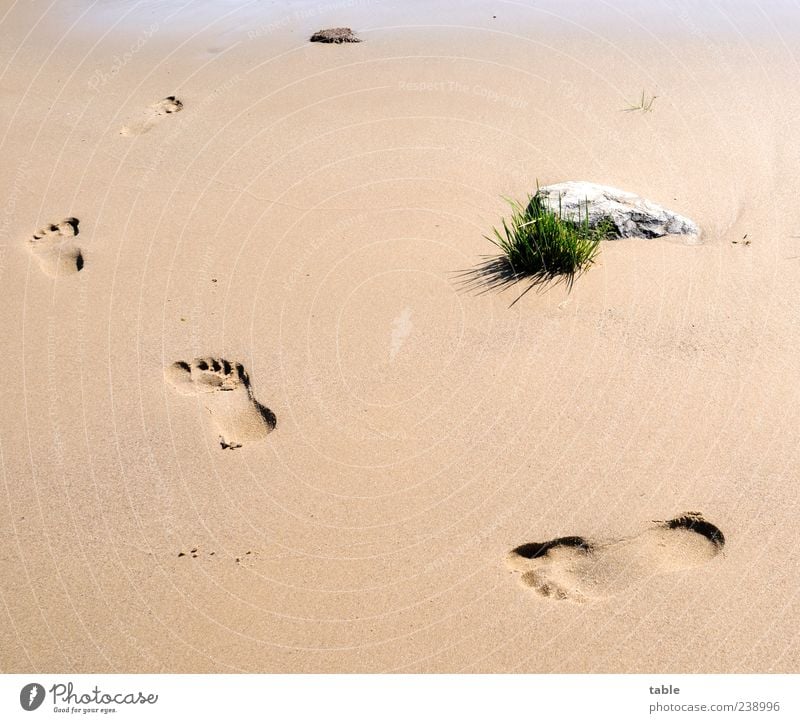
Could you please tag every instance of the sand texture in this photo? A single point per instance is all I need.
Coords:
(253, 419)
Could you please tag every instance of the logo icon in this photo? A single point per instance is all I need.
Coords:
(31, 696)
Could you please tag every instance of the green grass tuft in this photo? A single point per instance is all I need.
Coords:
(537, 242)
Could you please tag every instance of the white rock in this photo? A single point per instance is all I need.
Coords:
(631, 214)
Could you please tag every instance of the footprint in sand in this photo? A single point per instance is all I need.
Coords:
(573, 568)
(155, 112)
(225, 390)
(53, 247)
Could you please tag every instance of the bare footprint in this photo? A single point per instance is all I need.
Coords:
(225, 390)
(154, 113)
(572, 568)
(53, 247)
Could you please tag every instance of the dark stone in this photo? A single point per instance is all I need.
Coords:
(335, 35)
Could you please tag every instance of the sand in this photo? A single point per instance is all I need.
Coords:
(298, 229)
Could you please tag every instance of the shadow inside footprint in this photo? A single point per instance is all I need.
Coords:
(53, 246)
(574, 568)
(267, 414)
(694, 521)
(224, 389)
(532, 550)
(168, 105)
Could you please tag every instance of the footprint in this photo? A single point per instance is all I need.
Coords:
(52, 246)
(155, 112)
(225, 390)
(573, 568)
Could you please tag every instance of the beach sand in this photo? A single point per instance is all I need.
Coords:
(307, 214)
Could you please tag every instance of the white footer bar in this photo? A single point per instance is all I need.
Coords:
(400, 698)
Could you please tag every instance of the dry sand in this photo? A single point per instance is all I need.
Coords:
(305, 215)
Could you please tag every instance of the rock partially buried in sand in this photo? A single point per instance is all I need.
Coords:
(335, 35)
(632, 215)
